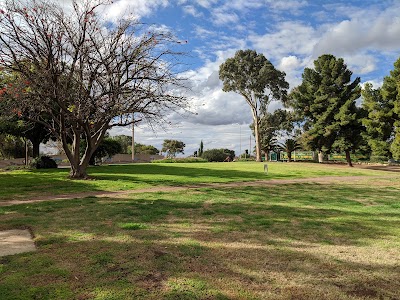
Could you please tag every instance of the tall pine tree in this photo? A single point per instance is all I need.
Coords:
(379, 121)
(391, 94)
(326, 100)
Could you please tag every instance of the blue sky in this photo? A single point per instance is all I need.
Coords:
(290, 33)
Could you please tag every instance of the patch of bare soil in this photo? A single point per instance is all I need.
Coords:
(16, 241)
(259, 183)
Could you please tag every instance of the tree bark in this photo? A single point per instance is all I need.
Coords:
(257, 137)
(348, 158)
(289, 155)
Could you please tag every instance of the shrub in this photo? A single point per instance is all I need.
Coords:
(180, 160)
(218, 155)
(43, 162)
(378, 159)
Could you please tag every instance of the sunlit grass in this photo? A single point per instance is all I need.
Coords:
(41, 183)
(293, 241)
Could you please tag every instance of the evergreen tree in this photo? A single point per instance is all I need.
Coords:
(200, 153)
(326, 102)
(391, 94)
(289, 146)
(379, 121)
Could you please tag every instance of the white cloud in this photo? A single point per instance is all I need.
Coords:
(222, 17)
(291, 5)
(288, 63)
(365, 31)
(191, 10)
(287, 37)
(138, 8)
(377, 83)
(206, 3)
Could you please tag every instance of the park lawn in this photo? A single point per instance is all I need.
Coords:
(294, 241)
(25, 184)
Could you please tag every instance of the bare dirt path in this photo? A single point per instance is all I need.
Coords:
(259, 183)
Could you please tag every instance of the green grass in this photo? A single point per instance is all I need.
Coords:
(293, 241)
(26, 184)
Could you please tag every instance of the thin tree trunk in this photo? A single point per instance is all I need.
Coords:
(289, 155)
(348, 158)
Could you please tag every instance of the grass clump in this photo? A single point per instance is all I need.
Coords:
(132, 226)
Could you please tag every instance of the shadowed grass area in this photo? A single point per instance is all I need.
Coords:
(28, 184)
(295, 241)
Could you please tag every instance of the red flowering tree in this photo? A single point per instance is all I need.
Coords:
(84, 74)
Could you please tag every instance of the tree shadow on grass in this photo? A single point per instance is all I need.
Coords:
(242, 243)
(24, 185)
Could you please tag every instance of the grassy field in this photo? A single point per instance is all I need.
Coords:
(25, 184)
(292, 241)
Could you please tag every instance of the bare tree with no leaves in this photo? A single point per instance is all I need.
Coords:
(83, 76)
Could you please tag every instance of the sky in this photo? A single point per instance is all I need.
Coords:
(290, 33)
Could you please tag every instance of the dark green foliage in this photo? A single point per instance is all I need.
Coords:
(14, 122)
(43, 162)
(391, 93)
(172, 147)
(378, 121)
(218, 155)
(289, 146)
(201, 150)
(382, 120)
(107, 148)
(126, 143)
(326, 101)
(255, 78)
(146, 149)
(272, 124)
(12, 146)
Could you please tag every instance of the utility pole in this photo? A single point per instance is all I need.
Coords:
(240, 137)
(133, 137)
(250, 147)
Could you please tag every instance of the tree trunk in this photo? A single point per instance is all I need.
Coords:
(35, 147)
(257, 137)
(289, 156)
(348, 158)
(320, 157)
(267, 158)
(78, 172)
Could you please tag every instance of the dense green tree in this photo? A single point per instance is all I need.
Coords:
(201, 149)
(289, 145)
(255, 78)
(126, 143)
(379, 121)
(268, 143)
(326, 101)
(172, 147)
(107, 148)
(391, 94)
(219, 155)
(146, 149)
(280, 122)
(12, 146)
